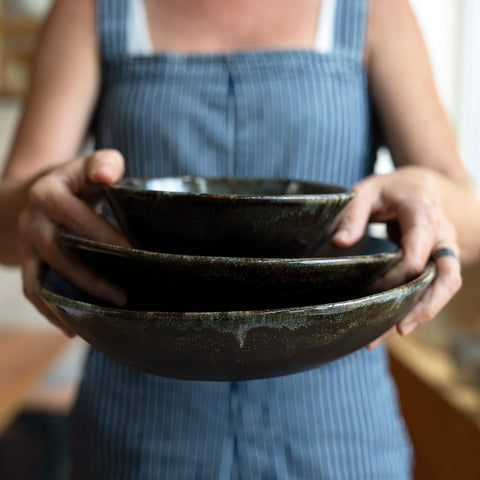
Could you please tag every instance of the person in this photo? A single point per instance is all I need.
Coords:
(303, 89)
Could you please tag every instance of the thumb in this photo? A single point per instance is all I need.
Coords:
(355, 217)
(104, 167)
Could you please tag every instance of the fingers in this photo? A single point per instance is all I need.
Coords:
(446, 284)
(54, 200)
(105, 167)
(423, 228)
(53, 197)
(102, 167)
(34, 224)
(30, 268)
(60, 194)
(57, 199)
(354, 218)
(426, 231)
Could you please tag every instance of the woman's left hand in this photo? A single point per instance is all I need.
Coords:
(409, 199)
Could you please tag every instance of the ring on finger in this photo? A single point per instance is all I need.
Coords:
(444, 252)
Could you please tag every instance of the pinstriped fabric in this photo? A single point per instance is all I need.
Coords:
(113, 35)
(297, 114)
(243, 78)
(349, 32)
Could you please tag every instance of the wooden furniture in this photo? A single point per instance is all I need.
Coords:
(24, 358)
(18, 38)
(441, 411)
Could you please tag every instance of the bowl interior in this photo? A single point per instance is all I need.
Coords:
(156, 281)
(51, 286)
(231, 346)
(230, 186)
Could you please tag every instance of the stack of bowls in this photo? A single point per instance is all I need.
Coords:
(232, 279)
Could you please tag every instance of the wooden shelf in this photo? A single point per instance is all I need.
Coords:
(24, 358)
(442, 412)
(18, 26)
(18, 37)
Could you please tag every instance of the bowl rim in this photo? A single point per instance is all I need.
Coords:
(71, 240)
(344, 193)
(425, 278)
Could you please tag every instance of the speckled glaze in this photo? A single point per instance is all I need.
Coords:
(169, 282)
(244, 217)
(235, 345)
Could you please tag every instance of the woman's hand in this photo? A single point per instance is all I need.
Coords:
(61, 197)
(409, 200)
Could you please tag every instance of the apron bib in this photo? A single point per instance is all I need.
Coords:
(299, 114)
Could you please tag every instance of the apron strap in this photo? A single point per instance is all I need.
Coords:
(341, 27)
(350, 29)
(112, 17)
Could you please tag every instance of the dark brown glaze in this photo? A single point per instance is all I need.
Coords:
(235, 345)
(244, 217)
(169, 282)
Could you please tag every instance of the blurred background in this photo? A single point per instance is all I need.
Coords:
(437, 369)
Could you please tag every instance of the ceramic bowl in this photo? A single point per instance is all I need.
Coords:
(241, 217)
(232, 345)
(170, 282)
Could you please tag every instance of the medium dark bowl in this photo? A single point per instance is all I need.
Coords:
(241, 217)
(169, 282)
(235, 345)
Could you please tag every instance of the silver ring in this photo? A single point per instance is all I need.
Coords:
(444, 252)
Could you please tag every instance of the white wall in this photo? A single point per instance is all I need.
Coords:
(469, 88)
(448, 27)
(440, 24)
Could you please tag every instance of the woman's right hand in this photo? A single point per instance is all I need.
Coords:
(60, 198)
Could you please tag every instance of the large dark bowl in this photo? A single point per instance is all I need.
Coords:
(241, 217)
(170, 282)
(235, 345)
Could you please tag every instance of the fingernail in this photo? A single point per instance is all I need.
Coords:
(407, 325)
(102, 171)
(341, 236)
(105, 171)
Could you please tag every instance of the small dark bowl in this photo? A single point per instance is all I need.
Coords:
(235, 345)
(240, 217)
(169, 282)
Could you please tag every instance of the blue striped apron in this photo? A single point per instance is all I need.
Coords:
(278, 113)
